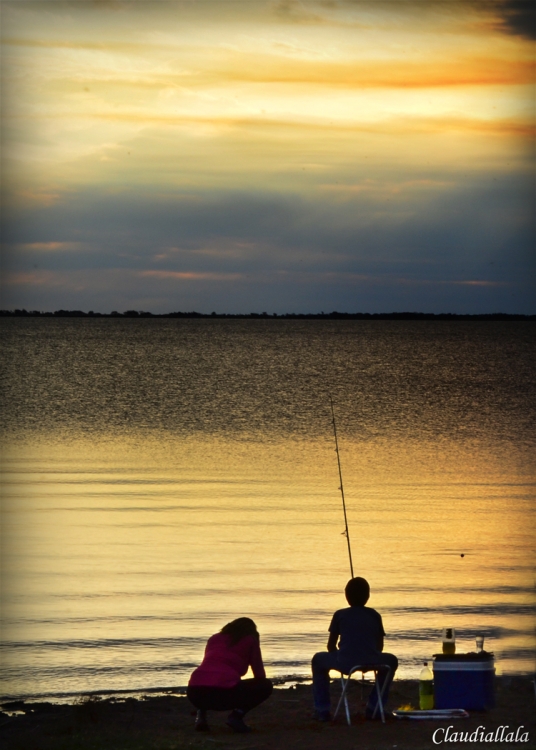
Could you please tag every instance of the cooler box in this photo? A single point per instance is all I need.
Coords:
(464, 682)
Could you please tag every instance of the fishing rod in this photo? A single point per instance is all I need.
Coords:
(345, 532)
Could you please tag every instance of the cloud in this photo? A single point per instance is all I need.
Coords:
(109, 290)
(80, 45)
(191, 275)
(222, 67)
(480, 283)
(30, 279)
(48, 247)
(456, 71)
(518, 17)
(393, 125)
(40, 197)
(470, 229)
(295, 11)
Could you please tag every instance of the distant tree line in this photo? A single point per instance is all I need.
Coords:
(265, 316)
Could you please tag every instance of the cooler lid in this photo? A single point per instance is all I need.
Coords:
(464, 666)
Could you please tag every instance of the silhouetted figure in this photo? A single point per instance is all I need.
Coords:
(216, 685)
(358, 632)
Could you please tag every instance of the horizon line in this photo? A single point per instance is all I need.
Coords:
(334, 315)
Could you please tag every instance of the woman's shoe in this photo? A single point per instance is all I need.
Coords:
(201, 722)
(236, 722)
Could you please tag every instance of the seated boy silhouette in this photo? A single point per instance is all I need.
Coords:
(359, 633)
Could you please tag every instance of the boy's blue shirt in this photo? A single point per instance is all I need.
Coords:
(360, 629)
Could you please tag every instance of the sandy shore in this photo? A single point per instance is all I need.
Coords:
(283, 723)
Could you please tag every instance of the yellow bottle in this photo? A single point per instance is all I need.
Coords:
(426, 688)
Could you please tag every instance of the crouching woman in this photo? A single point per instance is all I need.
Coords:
(216, 685)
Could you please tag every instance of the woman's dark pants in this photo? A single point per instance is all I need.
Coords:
(243, 697)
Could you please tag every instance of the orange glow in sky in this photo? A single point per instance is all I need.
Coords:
(327, 109)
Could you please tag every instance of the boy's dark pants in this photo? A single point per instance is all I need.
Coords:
(326, 660)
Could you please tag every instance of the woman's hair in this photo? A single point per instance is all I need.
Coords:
(238, 629)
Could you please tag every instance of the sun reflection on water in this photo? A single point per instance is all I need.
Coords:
(122, 555)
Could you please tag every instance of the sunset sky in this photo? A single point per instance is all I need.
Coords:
(269, 155)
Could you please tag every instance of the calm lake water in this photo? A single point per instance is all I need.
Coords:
(162, 477)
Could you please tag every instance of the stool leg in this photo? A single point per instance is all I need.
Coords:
(380, 694)
(340, 699)
(380, 700)
(344, 699)
(377, 706)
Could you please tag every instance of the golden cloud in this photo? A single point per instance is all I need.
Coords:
(50, 246)
(448, 72)
(192, 275)
(388, 126)
(33, 278)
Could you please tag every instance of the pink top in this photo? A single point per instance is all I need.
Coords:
(223, 665)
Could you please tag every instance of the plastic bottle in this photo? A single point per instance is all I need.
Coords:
(426, 688)
(449, 641)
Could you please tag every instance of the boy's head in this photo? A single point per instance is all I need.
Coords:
(357, 592)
